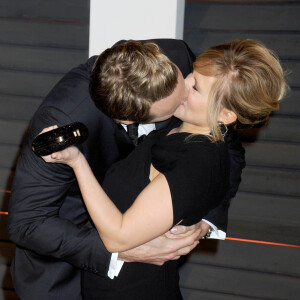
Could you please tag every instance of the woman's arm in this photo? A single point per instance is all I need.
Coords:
(150, 215)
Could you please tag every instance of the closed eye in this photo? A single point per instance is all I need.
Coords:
(195, 88)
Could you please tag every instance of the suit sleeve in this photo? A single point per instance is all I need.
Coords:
(219, 215)
(38, 192)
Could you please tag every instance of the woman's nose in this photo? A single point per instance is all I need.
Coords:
(186, 92)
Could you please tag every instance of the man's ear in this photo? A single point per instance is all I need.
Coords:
(227, 116)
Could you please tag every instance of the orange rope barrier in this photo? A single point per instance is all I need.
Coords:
(5, 191)
(227, 238)
(262, 242)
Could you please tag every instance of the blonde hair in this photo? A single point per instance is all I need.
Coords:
(250, 82)
(127, 78)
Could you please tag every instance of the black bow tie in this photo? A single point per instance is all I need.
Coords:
(133, 133)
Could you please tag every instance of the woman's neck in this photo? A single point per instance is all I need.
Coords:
(191, 128)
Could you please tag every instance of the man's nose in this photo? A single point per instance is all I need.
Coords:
(186, 91)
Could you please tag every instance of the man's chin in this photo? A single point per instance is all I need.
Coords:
(159, 119)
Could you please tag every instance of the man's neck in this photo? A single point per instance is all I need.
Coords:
(124, 122)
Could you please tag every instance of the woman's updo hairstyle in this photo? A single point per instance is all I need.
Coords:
(250, 82)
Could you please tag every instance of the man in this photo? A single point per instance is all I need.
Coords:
(47, 219)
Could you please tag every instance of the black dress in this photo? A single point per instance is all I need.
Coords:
(197, 172)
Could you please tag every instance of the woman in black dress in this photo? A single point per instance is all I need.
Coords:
(179, 174)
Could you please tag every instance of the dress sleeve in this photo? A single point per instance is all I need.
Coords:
(197, 174)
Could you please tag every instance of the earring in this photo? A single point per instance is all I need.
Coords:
(223, 128)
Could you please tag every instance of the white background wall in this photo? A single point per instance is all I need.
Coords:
(114, 20)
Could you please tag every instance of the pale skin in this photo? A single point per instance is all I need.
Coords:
(169, 246)
(151, 214)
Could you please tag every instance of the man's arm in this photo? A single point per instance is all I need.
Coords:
(163, 248)
(35, 223)
(180, 240)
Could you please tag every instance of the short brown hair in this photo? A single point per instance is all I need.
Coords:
(128, 77)
(250, 81)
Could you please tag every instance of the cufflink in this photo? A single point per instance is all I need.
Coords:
(210, 230)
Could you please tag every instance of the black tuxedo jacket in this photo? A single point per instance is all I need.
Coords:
(47, 217)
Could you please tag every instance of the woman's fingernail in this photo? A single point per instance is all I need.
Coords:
(174, 229)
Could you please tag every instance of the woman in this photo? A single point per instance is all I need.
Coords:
(179, 174)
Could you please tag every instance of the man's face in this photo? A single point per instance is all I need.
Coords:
(164, 108)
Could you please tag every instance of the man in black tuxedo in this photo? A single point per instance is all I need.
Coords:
(47, 219)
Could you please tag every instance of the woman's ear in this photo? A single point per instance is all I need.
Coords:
(227, 116)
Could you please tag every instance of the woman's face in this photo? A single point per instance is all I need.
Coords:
(194, 108)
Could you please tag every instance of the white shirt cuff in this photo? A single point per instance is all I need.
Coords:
(115, 266)
(216, 233)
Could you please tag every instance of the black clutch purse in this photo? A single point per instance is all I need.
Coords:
(59, 138)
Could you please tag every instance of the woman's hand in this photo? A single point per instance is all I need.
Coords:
(69, 156)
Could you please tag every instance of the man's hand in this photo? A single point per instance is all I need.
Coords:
(180, 231)
(180, 240)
